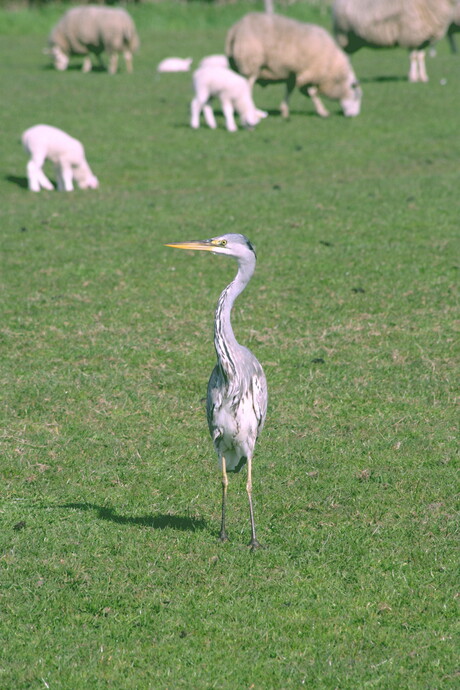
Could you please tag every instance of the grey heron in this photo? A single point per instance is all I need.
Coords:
(237, 390)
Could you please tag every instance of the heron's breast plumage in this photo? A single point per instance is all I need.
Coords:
(236, 414)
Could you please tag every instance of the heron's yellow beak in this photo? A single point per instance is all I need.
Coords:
(197, 245)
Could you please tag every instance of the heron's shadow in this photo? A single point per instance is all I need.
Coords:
(160, 521)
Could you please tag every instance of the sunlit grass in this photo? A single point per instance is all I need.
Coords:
(112, 575)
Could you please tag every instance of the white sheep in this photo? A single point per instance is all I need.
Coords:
(412, 24)
(233, 92)
(175, 64)
(94, 29)
(214, 61)
(272, 48)
(68, 155)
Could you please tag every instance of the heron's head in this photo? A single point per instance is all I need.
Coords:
(232, 244)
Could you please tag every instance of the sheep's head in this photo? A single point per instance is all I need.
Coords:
(61, 60)
(351, 104)
(90, 182)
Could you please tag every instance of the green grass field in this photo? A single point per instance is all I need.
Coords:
(112, 575)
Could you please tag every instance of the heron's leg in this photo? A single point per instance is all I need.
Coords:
(254, 544)
(223, 532)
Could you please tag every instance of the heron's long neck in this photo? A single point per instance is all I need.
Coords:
(224, 339)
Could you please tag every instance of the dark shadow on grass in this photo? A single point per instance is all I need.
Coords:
(382, 79)
(161, 521)
(19, 181)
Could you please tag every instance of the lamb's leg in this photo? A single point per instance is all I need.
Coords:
(128, 60)
(317, 102)
(195, 110)
(113, 63)
(422, 75)
(87, 65)
(64, 177)
(229, 115)
(209, 116)
(36, 177)
(284, 107)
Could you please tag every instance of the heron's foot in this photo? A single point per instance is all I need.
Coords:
(223, 536)
(254, 545)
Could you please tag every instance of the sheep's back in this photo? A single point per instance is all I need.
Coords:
(275, 46)
(408, 23)
(95, 27)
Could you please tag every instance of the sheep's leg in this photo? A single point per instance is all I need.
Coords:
(64, 177)
(195, 110)
(284, 107)
(128, 60)
(227, 109)
(209, 116)
(36, 177)
(87, 66)
(413, 69)
(252, 80)
(422, 75)
(317, 102)
(113, 63)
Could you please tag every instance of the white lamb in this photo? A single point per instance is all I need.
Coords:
(272, 48)
(175, 64)
(94, 29)
(67, 154)
(214, 61)
(412, 24)
(233, 92)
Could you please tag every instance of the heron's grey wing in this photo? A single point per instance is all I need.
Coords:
(214, 397)
(260, 396)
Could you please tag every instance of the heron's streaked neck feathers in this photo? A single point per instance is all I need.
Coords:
(224, 339)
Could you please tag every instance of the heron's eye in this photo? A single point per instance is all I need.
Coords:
(223, 243)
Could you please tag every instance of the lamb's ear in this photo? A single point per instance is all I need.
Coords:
(355, 84)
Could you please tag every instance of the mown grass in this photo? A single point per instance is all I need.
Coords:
(112, 575)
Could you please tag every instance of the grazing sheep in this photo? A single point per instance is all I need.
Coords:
(214, 61)
(234, 93)
(94, 29)
(175, 64)
(412, 24)
(271, 48)
(67, 154)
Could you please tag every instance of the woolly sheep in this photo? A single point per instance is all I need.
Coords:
(233, 92)
(272, 48)
(412, 24)
(67, 154)
(175, 64)
(94, 29)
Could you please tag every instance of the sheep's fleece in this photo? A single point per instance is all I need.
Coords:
(94, 29)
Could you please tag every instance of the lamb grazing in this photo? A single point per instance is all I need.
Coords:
(272, 48)
(234, 93)
(412, 24)
(214, 61)
(94, 29)
(175, 64)
(67, 154)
